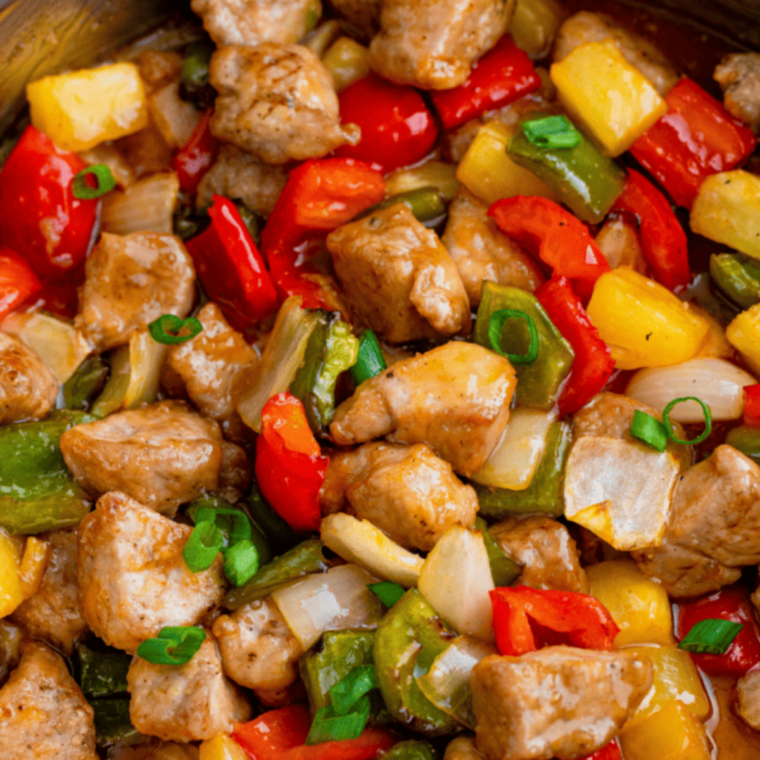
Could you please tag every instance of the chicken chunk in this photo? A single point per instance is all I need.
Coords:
(53, 613)
(398, 276)
(455, 398)
(557, 702)
(258, 649)
(185, 703)
(162, 455)
(746, 702)
(432, 44)
(251, 22)
(406, 491)
(546, 551)
(237, 174)
(28, 389)
(714, 528)
(362, 16)
(130, 281)
(133, 580)
(738, 75)
(44, 715)
(586, 27)
(482, 252)
(278, 102)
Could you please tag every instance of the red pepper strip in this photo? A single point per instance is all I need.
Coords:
(663, 240)
(730, 603)
(40, 219)
(231, 268)
(500, 77)
(610, 751)
(593, 364)
(58, 298)
(290, 468)
(18, 283)
(697, 137)
(280, 735)
(525, 619)
(555, 236)
(194, 159)
(397, 127)
(752, 405)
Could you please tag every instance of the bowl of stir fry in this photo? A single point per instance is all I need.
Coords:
(379, 380)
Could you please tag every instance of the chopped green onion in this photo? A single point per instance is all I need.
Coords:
(330, 727)
(552, 132)
(711, 636)
(649, 430)
(174, 645)
(387, 592)
(496, 327)
(205, 542)
(233, 524)
(165, 328)
(370, 362)
(241, 562)
(669, 427)
(104, 179)
(346, 693)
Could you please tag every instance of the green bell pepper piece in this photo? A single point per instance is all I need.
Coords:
(11, 637)
(747, 440)
(738, 276)
(425, 203)
(412, 749)
(539, 383)
(102, 674)
(503, 569)
(193, 82)
(545, 492)
(112, 722)
(86, 382)
(407, 641)
(280, 537)
(37, 493)
(583, 178)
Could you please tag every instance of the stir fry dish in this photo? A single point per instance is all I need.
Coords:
(382, 381)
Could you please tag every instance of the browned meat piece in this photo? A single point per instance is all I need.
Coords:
(714, 529)
(130, 281)
(212, 366)
(53, 612)
(594, 27)
(398, 277)
(406, 491)
(133, 580)
(278, 102)
(738, 75)
(235, 475)
(432, 44)
(558, 701)
(258, 649)
(28, 389)
(44, 715)
(159, 68)
(363, 16)
(620, 245)
(482, 252)
(746, 702)
(455, 398)
(251, 22)
(162, 455)
(462, 748)
(185, 703)
(546, 551)
(237, 174)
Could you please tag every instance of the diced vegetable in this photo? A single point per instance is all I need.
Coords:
(110, 156)
(347, 61)
(18, 283)
(639, 605)
(643, 323)
(425, 203)
(619, 490)
(738, 276)
(504, 570)
(221, 747)
(193, 80)
(320, 38)
(411, 749)
(146, 206)
(11, 637)
(196, 155)
(174, 645)
(437, 174)
(33, 564)
(81, 109)
(174, 118)
(112, 722)
(744, 335)
(534, 25)
(10, 581)
(360, 542)
(102, 674)
(747, 440)
(279, 535)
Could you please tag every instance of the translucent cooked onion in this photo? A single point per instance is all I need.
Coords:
(717, 382)
(456, 578)
(146, 206)
(175, 118)
(329, 601)
(436, 174)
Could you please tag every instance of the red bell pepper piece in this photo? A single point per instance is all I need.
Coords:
(194, 159)
(697, 137)
(526, 619)
(729, 603)
(40, 219)
(231, 268)
(18, 283)
(554, 235)
(501, 76)
(280, 735)
(397, 127)
(663, 240)
(752, 405)
(290, 468)
(610, 751)
(593, 364)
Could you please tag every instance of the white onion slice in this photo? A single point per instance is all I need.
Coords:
(717, 382)
(456, 578)
(329, 601)
(175, 118)
(146, 206)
